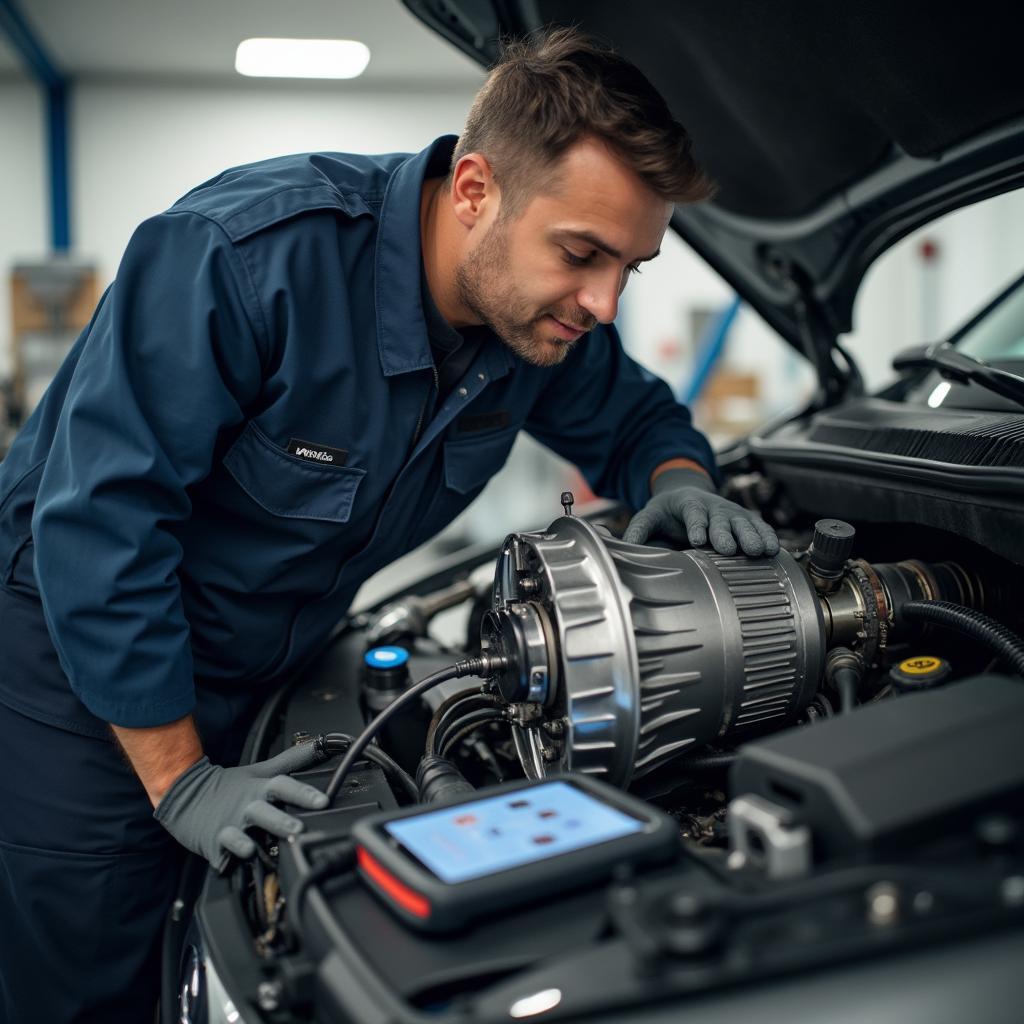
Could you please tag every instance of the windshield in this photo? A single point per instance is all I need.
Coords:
(999, 334)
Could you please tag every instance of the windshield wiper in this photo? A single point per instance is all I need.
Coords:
(962, 369)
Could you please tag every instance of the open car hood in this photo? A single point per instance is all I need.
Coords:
(833, 130)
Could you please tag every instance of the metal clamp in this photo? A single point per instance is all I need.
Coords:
(766, 837)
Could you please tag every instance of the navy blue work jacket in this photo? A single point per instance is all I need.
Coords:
(246, 431)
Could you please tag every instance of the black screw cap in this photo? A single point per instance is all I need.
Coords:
(831, 547)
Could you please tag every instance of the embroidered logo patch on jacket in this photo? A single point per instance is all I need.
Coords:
(317, 452)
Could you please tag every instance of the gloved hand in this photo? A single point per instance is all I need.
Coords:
(207, 807)
(685, 506)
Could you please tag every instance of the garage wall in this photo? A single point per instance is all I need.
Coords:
(24, 190)
(136, 147)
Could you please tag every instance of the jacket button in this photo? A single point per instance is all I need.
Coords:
(481, 376)
(463, 392)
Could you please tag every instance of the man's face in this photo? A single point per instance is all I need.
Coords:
(544, 278)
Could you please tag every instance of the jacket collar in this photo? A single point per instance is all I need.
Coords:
(401, 328)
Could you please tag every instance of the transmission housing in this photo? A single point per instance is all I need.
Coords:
(624, 657)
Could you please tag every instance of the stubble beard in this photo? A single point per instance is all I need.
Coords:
(483, 279)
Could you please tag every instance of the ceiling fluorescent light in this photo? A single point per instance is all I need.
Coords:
(301, 58)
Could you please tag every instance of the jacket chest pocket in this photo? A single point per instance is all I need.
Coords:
(469, 462)
(286, 485)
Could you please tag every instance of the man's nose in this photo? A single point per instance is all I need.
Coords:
(600, 296)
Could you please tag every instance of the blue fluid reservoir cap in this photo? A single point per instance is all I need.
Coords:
(386, 657)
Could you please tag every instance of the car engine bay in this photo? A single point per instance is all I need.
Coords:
(834, 730)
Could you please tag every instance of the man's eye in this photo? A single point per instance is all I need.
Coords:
(634, 268)
(576, 261)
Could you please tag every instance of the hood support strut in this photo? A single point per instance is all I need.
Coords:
(817, 337)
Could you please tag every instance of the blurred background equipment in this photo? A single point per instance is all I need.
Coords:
(51, 301)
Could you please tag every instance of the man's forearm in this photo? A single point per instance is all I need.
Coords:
(161, 753)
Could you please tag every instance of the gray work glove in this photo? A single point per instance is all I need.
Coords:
(207, 807)
(684, 507)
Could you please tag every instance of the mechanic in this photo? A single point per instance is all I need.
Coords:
(303, 369)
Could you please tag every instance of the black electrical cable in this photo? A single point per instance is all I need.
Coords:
(994, 635)
(260, 729)
(465, 725)
(486, 665)
(339, 742)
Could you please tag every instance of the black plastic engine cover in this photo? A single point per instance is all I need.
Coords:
(895, 772)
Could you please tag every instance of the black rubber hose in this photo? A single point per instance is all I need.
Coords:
(453, 708)
(846, 680)
(438, 779)
(994, 635)
(452, 723)
(845, 670)
(710, 761)
(469, 693)
(462, 727)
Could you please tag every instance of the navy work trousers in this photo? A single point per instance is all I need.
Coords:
(86, 874)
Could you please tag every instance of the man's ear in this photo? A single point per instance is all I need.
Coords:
(475, 193)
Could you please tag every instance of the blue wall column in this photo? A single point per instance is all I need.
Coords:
(709, 350)
(55, 86)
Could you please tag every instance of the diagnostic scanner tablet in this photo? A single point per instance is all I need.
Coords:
(440, 867)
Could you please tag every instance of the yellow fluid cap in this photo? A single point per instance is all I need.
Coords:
(921, 666)
(920, 673)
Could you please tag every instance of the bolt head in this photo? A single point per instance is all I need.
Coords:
(883, 899)
(736, 861)
(685, 906)
(997, 831)
(268, 995)
(923, 902)
(1013, 890)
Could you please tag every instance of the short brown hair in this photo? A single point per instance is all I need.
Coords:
(558, 86)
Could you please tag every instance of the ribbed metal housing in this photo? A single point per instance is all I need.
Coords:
(971, 439)
(777, 652)
(662, 652)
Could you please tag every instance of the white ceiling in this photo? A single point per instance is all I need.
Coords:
(196, 39)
